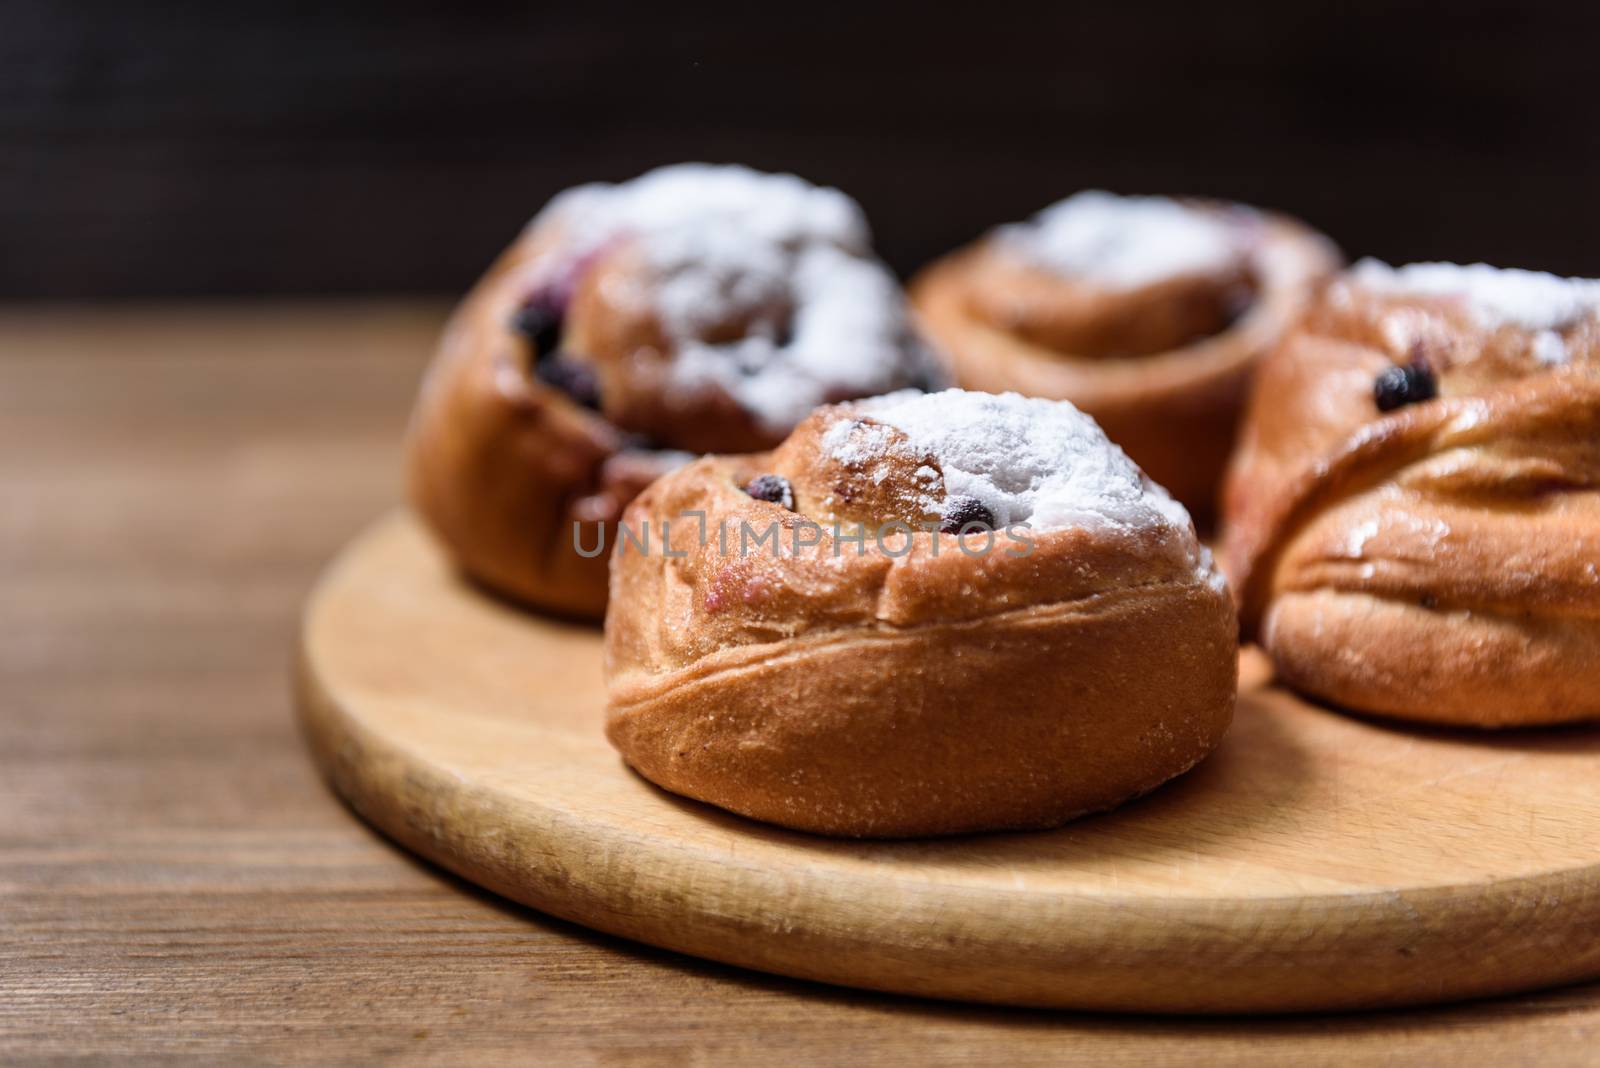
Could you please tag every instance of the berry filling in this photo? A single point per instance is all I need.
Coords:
(773, 488)
(961, 512)
(539, 320)
(574, 379)
(1405, 384)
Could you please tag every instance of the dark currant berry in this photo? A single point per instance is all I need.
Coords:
(539, 321)
(571, 377)
(960, 512)
(1401, 385)
(774, 488)
(783, 336)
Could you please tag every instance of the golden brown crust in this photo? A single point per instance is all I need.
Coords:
(501, 466)
(1126, 357)
(1437, 562)
(840, 688)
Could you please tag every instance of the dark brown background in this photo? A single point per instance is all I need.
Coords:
(273, 147)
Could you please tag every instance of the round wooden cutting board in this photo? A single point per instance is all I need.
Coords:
(1317, 861)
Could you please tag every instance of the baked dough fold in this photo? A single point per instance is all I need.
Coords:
(1162, 360)
(1439, 561)
(914, 685)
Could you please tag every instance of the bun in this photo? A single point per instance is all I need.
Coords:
(872, 671)
(1147, 313)
(631, 326)
(1412, 522)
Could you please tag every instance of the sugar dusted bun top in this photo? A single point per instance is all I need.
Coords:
(1099, 276)
(697, 287)
(1496, 296)
(1126, 242)
(903, 510)
(1026, 460)
(779, 209)
(1553, 320)
(943, 461)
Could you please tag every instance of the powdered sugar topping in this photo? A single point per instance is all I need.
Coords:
(1532, 300)
(1125, 242)
(1027, 460)
(789, 259)
(780, 209)
(847, 336)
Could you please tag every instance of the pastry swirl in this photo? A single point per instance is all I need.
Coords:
(974, 613)
(630, 326)
(1412, 521)
(1147, 313)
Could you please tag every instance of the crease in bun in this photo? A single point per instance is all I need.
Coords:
(1413, 518)
(1070, 632)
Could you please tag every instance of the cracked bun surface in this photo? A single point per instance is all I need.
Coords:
(1412, 523)
(922, 614)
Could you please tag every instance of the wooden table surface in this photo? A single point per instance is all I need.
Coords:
(176, 882)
